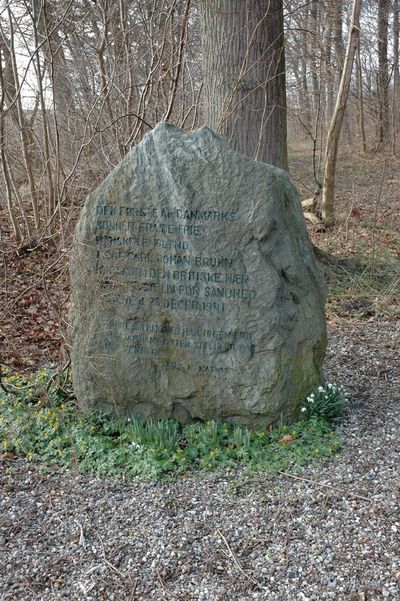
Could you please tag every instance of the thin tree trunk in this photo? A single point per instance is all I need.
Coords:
(383, 75)
(338, 45)
(4, 162)
(53, 48)
(332, 141)
(316, 89)
(396, 76)
(25, 133)
(330, 70)
(360, 102)
(47, 158)
(306, 107)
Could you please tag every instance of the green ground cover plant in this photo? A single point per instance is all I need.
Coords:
(40, 421)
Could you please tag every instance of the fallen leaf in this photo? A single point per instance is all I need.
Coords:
(7, 456)
(286, 438)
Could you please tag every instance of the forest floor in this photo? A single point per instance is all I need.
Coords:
(327, 532)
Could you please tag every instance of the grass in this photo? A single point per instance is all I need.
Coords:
(38, 422)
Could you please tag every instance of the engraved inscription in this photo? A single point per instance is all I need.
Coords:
(144, 259)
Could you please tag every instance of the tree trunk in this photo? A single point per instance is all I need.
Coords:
(383, 75)
(396, 76)
(46, 18)
(26, 135)
(332, 141)
(244, 76)
(313, 52)
(360, 103)
(338, 45)
(330, 74)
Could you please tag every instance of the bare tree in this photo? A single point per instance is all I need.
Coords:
(383, 75)
(101, 75)
(360, 103)
(332, 142)
(396, 76)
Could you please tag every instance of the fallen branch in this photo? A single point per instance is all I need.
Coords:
(322, 484)
(82, 541)
(161, 581)
(309, 203)
(312, 218)
(237, 562)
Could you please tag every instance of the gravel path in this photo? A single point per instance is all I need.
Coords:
(231, 536)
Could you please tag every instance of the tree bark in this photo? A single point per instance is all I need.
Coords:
(26, 135)
(313, 53)
(53, 52)
(360, 103)
(332, 141)
(338, 45)
(396, 76)
(244, 76)
(383, 75)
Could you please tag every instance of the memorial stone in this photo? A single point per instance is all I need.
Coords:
(195, 290)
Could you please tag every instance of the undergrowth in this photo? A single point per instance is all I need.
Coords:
(363, 288)
(40, 421)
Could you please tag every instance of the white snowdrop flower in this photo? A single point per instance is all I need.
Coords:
(303, 409)
(320, 389)
(330, 385)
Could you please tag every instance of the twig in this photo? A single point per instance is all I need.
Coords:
(161, 581)
(110, 565)
(9, 388)
(2, 385)
(93, 569)
(237, 562)
(322, 484)
(114, 568)
(58, 375)
(82, 540)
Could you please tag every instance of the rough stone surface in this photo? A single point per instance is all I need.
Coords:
(195, 292)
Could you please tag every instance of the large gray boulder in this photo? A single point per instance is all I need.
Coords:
(195, 290)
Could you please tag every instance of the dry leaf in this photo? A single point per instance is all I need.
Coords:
(286, 438)
(7, 456)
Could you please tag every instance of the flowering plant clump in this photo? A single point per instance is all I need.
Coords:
(327, 402)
